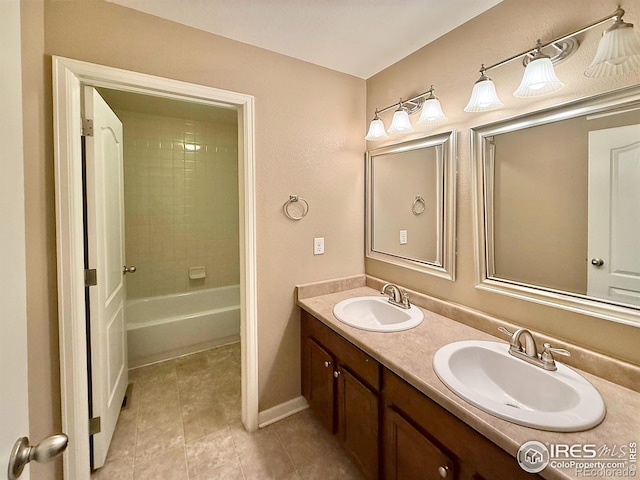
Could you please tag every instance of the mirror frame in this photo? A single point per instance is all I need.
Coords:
(618, 101)
(447, 140)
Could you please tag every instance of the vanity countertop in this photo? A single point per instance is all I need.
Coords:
(410, 353)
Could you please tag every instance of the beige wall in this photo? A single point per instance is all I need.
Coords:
(181, 207)
(540, 206)
(309, 141)
(309, 123)
(451, 64)
(42, 323)
(541, 233)
(397, 179)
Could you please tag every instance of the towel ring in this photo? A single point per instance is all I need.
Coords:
(419, 205)
(294, 199)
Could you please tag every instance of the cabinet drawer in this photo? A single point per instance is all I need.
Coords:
(360, 364)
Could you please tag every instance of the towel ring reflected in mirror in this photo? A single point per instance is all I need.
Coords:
(295, 199)
(419, 205)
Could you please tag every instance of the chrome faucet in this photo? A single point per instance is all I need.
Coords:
(530, 352)
(397, 297)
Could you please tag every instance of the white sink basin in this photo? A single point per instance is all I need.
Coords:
(487, 376)
(377, 314)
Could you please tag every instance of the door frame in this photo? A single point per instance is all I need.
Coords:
(68, 77)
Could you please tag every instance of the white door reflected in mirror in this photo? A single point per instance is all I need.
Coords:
(614, 214)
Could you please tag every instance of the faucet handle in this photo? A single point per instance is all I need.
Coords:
(548, 362)
(504, 330)
(560, 351)
(405, 299)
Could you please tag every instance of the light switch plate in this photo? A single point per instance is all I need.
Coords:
(403, 237)
(318, 245)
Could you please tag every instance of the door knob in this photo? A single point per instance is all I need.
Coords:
(131, 269)
(597, 262)
(22, 453)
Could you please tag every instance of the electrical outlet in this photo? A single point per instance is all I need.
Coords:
(318, 245)
(403, 237)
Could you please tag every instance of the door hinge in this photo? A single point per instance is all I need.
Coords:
(90, 277)
(87, 127)
(94, 425)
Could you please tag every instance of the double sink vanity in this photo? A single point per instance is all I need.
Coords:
(419, 393)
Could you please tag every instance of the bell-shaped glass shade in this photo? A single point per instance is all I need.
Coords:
(483, 97)
(539, 79)
(432, 113)
(618, 52)
(400, 122)
(376, 131)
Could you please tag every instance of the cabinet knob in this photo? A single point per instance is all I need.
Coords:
(337, 373)
(443, 471)
(327, 364)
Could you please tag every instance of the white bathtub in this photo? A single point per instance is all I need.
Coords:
(159, 328)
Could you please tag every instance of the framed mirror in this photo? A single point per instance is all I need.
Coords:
(557, 206)
(410, 204)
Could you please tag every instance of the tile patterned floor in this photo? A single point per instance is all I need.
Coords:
(183, 423)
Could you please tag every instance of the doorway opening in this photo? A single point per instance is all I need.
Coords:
(70, 77)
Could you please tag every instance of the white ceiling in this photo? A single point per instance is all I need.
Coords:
(358, 37)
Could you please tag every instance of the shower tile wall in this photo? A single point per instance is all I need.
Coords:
(181, 205)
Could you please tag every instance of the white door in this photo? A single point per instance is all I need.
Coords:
(105, 248)
(14, 413)
(614, 214)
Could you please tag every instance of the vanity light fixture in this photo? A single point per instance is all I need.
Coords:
(432, 114)
(484, 96)
(618, 52)
(376, 129)
(539, 77)
(400, 122)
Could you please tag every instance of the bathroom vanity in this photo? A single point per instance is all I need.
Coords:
(390, 429)
(378, 393)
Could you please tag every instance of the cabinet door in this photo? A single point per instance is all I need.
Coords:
(410, 455)
(358, 414)
(320, 383)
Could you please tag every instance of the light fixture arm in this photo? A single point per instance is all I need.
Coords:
(617, 15)
(413, 104)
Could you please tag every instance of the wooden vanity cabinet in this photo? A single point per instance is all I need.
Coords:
(422, 440)
(342, 384)
(320, 391)
(391, 430)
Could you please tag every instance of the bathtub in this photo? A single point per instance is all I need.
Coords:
(159, 328)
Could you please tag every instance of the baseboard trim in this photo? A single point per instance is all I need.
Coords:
(284, 410)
